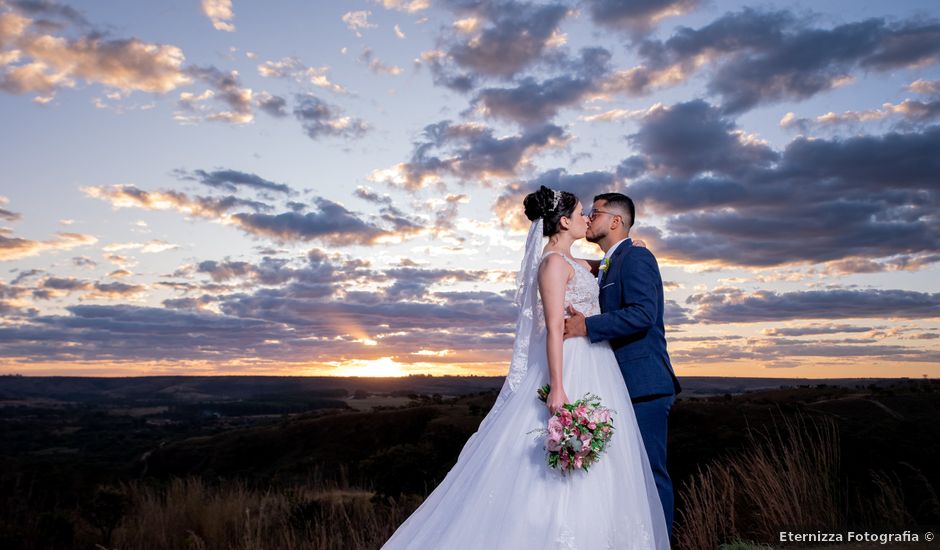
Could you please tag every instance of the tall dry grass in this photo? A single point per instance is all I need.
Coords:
(193, 514)
(787, 478)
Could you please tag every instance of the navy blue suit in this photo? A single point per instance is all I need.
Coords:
(631, 320)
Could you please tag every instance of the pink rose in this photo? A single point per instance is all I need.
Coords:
(578, 461)
(555, 429)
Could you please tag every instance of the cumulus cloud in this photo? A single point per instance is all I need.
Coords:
(921, 86)
(532, 102)
(225, 88)
(50, 9)
(273, 105)
(220, 13)
(468, 151)
(42, 63)
(763, 57)
(496, 39)
(636, 16)
(320, 118)
(729, 198)
(130, 196)
(331, 223)
(15, 248)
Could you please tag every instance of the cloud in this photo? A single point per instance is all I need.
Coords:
(293, 68)
(7, 214)
(331, 223)
(130, 196)
(815, 329)
(728, 198)
(910, 110)
(48, 8)
(220, 13)
(320, 118)
(225, 87)
(322, 309)
(357, 21)
(408, 6)
(727, 305)
(376, 65)
(532, 102)
(692, 137)
(44, 62)
(921, 86)
(231, 180)
(494, 39)
(15, 248)
(789, 353)
(468, 152)
(763, 57)
(636, 16)
(367, 194)
(274, 105)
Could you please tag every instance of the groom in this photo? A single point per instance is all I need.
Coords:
(631, 318)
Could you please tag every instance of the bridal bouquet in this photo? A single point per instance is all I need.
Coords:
(578, 434)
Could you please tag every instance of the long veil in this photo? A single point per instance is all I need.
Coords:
(530, 335)
(530, 329)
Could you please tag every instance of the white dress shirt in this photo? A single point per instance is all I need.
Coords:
(610, 252)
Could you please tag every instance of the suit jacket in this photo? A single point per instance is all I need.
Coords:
(631, 318)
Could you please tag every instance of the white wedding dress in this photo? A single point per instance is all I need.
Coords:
(501, 493)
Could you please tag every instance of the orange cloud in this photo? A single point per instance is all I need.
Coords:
(14, 248)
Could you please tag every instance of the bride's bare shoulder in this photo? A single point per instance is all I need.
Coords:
(554, 263)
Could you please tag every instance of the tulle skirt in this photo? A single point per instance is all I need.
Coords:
(501, 494)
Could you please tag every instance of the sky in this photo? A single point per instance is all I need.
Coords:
(335, 188)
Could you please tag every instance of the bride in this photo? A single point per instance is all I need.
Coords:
(501, 493)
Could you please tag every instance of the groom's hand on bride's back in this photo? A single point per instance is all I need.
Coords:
(574, 325)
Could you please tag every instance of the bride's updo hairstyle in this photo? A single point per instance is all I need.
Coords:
(542, 204)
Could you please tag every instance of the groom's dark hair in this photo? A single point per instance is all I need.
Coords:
(621, 201)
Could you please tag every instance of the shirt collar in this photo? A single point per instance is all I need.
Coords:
(610, 252)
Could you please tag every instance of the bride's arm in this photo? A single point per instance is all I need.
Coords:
(553, 277)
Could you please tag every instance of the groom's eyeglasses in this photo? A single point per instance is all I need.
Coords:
(594, 214)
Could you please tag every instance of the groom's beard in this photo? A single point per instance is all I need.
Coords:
(595, 237)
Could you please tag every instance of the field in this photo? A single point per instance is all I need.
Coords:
(233, 462)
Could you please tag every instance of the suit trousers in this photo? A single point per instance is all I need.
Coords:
(652, 416)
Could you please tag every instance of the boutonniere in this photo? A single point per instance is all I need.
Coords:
(605, 265)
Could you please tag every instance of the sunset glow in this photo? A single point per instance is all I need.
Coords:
(335, 188)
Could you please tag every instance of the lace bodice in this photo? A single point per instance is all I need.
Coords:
(581, 292)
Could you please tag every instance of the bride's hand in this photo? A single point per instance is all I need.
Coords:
(557, 398)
